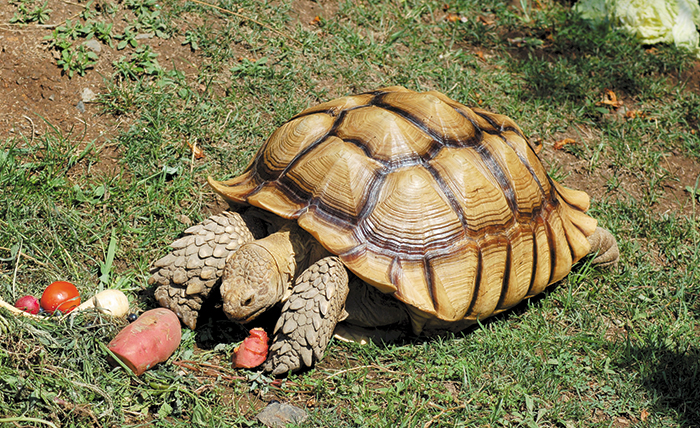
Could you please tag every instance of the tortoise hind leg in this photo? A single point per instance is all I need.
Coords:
(309, 317)
(185, 277)
(372, 316)
(604, 246)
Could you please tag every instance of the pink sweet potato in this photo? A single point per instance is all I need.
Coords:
(253, 351)
(149, 340)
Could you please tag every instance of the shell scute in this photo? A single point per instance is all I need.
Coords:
(480, 198)
(387, 137)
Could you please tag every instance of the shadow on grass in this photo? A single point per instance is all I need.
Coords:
(671, 377)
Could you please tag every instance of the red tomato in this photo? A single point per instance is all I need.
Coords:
(60, 296)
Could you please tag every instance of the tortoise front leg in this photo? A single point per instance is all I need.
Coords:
(186, 276)
(309, 317)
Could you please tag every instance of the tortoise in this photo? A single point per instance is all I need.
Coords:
(390, 208)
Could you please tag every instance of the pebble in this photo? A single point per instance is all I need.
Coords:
(88, 96)
(280, 414)
(182, 218)
(93, 45)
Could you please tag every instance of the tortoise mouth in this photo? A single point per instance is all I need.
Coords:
(242, 313)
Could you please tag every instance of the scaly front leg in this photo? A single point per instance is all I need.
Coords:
(186, 276)
(309, 317)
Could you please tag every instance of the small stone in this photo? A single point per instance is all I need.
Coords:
(93, 45)
(184, 219)
(80, 106)
(88, 96)
(281, 414)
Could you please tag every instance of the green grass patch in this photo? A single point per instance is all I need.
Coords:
(601, 348)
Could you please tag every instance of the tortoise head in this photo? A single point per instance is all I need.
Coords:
(252, 283)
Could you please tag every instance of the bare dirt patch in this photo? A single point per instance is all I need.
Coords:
(606, 181)
(39, 97)
(36, 96)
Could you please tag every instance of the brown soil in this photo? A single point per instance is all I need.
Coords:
(38, 96)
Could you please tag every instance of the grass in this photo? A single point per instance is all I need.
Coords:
(600, 349)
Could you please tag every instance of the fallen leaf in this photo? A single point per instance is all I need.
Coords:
(610, 99)
(516, 41)
(198, 151)
(480, 54)
(558, 145)
(315, 21)
(644, 415)
(538, 146)
(452, 17)
(486, 21)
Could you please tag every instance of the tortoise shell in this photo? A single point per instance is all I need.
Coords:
(445, 206)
